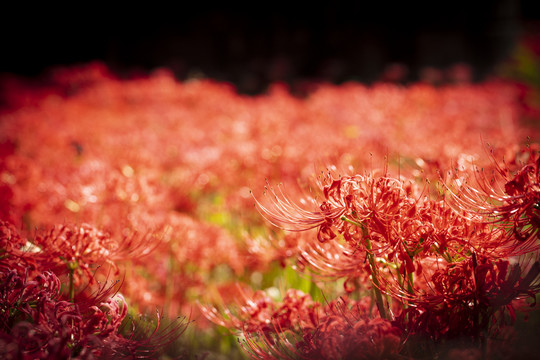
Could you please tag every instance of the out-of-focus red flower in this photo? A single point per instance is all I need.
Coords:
(256, 311)
(81, 250)
(298, 328)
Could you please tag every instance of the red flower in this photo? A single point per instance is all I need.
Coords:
(507, 199)
(35, 323)
(470, 298)
(341, 330)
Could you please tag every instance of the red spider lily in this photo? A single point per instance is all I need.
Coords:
(36, 323)
(333, 260)
(76, 248)
(13, 250)
(374, 218)
(348, 330)
(464, 299)
(341, 330)
(336, 338)
(148, 339)
(419, 251)
(507, 199)
(297, 328)
(138, 152)
(367, 213)
(80, 250)
(257, 311)
(381, 200)
(61, 251)
(384, 217)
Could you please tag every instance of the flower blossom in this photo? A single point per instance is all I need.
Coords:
(36, 323)
(509, 199)
(471, 297)
(299, 328)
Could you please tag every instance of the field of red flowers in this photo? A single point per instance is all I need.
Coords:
(151, 218)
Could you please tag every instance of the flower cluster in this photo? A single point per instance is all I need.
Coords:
(300, 328)
(437, 271)
(153, 189)
(41, 319)
(510, 194)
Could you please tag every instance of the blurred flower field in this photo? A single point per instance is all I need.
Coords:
(151, 218)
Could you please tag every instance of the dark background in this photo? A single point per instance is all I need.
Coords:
(254, 44)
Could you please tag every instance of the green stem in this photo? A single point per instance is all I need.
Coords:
(373, 268)
(410, 284)
(71, 285)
